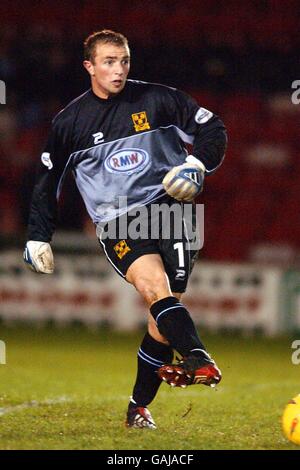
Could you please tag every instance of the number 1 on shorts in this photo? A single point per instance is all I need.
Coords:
(179, 246)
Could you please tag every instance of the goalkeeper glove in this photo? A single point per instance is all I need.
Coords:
(185, 182)
(38, 256)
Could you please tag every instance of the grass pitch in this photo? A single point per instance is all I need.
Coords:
(69, 388)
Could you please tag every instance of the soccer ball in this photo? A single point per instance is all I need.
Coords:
(291, 420)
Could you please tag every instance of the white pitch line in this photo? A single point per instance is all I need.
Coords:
(33, 404)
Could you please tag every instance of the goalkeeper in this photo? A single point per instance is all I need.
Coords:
(127, 138)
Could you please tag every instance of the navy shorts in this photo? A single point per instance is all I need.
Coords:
(173, 245)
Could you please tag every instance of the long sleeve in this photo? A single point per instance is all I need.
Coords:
(43, 210)
(200, 127)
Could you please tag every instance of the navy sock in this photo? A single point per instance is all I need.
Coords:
(175, 324)
(151, 356)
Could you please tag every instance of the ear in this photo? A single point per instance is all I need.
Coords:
(89, 67)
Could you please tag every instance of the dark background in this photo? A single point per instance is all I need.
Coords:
(237, 58)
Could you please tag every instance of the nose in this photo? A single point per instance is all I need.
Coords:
(119, 70)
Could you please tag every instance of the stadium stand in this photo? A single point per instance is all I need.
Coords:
(233, 57)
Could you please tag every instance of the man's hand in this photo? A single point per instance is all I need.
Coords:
(38, 256)
(184, 182)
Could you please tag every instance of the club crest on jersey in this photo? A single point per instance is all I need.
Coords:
(127, 161)
(140, 121)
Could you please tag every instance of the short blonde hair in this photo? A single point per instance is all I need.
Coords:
(106, 36)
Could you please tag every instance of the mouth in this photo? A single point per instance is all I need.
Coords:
(117, 82)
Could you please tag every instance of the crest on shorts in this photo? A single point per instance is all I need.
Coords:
(140, 121)
(121, 249)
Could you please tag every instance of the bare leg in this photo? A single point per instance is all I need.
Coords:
(148, 276)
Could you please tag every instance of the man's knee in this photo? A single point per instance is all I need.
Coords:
(152, 288)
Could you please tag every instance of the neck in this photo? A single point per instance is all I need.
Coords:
(99, 92)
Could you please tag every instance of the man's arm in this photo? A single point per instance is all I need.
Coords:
(206, 132)
(43, 211)
(210, 140)
(202, 128)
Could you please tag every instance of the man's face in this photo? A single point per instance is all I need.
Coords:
(109, 69)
